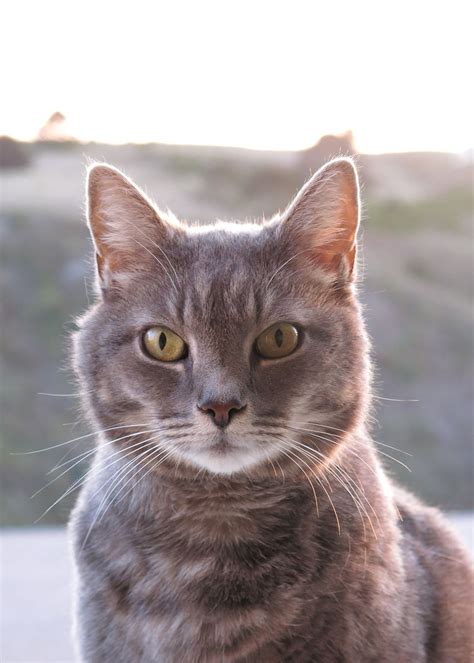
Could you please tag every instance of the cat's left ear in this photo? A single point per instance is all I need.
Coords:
(323, 219)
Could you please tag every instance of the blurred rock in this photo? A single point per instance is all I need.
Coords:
(13, 154)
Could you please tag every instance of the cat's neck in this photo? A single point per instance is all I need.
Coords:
(351, 496)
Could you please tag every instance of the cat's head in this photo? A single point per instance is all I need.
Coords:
(230, 344)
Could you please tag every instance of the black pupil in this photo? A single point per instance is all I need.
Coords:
(162, 340)
(279, 337)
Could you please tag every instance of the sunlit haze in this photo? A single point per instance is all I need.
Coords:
(263, 75)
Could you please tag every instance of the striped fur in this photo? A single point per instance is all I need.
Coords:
(280, 539)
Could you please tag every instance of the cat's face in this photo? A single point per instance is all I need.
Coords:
(232, 344)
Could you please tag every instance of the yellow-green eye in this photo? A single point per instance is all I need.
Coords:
(279, 340)
(163, 344)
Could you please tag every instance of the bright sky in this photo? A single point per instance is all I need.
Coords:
(269, 75)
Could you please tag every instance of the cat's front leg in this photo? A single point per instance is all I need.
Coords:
(106, 631)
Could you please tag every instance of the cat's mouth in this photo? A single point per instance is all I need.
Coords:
(222, 445)
(224, 452)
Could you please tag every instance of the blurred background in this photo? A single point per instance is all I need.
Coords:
(224, 110)
(416, 287)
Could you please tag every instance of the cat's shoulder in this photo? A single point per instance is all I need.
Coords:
(426, 530)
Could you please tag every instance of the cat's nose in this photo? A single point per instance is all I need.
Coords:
(220, 412)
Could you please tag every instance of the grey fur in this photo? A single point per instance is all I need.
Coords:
(239, 546)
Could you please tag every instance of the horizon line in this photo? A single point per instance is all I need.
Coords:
(80, 141)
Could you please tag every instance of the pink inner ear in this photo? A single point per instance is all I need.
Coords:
(325, 215)
(121, 220)
(337, 262)
(337, 243)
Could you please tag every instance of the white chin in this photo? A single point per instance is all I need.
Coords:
(226, 462)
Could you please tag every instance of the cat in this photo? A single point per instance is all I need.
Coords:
(236, 509)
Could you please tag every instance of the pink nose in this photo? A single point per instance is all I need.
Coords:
(221, 413)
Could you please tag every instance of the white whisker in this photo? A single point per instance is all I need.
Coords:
(160, 263)
(115, 480)
(309, 480)
(89, 453)
(290, 450)
(75, 439)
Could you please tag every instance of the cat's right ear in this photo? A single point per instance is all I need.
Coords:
(125, 225)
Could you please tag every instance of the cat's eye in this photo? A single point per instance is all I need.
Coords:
(277, 341)
(163, 344)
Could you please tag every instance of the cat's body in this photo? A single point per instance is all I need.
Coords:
(245, 571)
(278, 536)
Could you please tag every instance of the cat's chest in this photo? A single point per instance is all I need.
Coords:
(212, 563)
(253, 583)
(216, 584)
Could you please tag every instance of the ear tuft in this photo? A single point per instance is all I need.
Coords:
(324, 217)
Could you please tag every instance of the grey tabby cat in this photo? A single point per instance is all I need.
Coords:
(237, 510)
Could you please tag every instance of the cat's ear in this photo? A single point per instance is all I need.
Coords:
(324, 218)
(124, 224)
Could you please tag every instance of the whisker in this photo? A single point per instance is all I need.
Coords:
(271, 463)
(388, 446)
(78, 484)
(167, 453)
(356, 501)
(44, 393)
(142, 232)
(307, 477)
(397, 400)
(114, 481)
(75, 439)
(284, 265)
(89, 453)
(383, 444)
(150, 455)
(334, 469)
(281, 469)
(102, 445)
(291, 451)
(340, 474)
(160, 263)
(330, 438)
(62, 459)
(395, 459)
